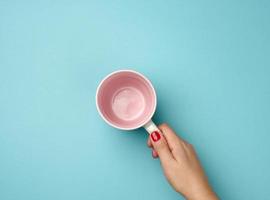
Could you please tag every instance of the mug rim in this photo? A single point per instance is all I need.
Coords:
(141, 75)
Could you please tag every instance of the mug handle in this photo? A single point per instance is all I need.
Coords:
(151, 127)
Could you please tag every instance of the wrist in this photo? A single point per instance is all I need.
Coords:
(204, 194)
(209, 196)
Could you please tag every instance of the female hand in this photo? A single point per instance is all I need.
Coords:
(180, 164)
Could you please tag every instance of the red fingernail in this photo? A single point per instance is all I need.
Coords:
(154, 154)
(155, 136)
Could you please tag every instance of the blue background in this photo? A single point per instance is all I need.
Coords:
(208, 60)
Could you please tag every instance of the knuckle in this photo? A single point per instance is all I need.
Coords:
(163, 125)
(190, 146)
(161, 146)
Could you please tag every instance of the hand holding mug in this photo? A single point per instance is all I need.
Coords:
(181, 165)
(127, 100)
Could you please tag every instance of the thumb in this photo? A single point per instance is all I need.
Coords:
(161, 146)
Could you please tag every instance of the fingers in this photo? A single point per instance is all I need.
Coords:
(149, 144)
(176, 145)
(173, 140)
(154, 154)
(169, 133)
(179, 147)
(161, 147)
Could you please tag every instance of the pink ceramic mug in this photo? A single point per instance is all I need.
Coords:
(127, 100)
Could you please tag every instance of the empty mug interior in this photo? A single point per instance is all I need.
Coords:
(126, 99)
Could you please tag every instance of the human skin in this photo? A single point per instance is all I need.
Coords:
(180, 164)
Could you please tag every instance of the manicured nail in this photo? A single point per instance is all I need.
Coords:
(154, 154)
(155, 136)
